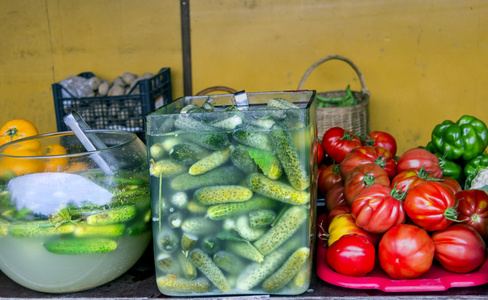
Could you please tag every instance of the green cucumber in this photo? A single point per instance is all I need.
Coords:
(228, 262)
(245, 231)
(199, 226)
(241, 159)
(229, 123)
(286, 272)
(182, 285)
(187, 268)
(286, 226)
(224, 175)
(196, 208)
(246, 250)
(111, 230)
(261, 218)
(187, 153)
(277, 190)
(205, 264)
(222, 194)
(223, 211)
(188, 241)
(167, 240)
(4, 224)
(39, 228)
(289, 158)
(80, 246)
(210, 162)
(119, 214)
(251, 136)
(166, 168)
(168, 264)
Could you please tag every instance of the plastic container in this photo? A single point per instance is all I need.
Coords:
(124, 112)
(66, 225)
(233, 193)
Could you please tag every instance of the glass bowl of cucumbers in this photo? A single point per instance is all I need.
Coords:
(233, 193)
(72, 219)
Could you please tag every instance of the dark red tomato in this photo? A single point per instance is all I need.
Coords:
(452, 183)
(473, 210)
(382, 139)
(328, 176)
(335, 196)
(337, 142)
(318, 151)
(407, 179)
(366, 155)
(431, 205)
(352, 255)
(378, 208)
(361, 177)
(417, 158)
(339, 210)
(459, 248)
(406, 251)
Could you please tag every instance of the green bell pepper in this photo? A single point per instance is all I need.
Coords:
(472, 168)
(451, 169)
(465, 139)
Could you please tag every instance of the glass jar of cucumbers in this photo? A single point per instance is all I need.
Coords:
(233, 193)
(68, 222)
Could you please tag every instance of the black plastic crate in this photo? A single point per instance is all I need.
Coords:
(126, 112)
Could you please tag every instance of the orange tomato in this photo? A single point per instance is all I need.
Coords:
(17, 129)
(23, 161)
(54, 164)
(344, 224)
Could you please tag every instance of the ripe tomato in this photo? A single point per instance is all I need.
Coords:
(19, 161)
(361, 177)
(16, 129)
(431, 205)
(407, 179)
(335, 196)
(382, 139)
(351, 255)
(406, 251)
(459, 248)
(345, 224)
(337, 142)
(328, 176)
(366, 155)
(473, 210)
(54, 164)
(417, 158)
(452, 183)
(378, 208)
(339, 210)
(318, 151)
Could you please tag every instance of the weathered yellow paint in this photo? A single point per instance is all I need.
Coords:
(423, 61)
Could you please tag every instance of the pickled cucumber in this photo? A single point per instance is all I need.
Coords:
(228, 262)
(187, 268)
(205, 264)
(224, 175)
(251, 136)
(39, 228)
(80, 246)
(210, 162)
(199, 226)
(223, 211)
(241, 159)
(286, 272)
(288, 224)
(111, 230)
(166, 168)
(187, 153)
(261, 218)
(245, 231)
(182, 285)
(168, 264)
(222, 194)
(116, 215)
(246, 250)
(277, 190)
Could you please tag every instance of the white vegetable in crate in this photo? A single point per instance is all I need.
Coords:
(94, 82)
(104, 87)
(128, 78)
(116, 90)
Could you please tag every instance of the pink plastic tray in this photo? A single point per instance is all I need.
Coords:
(436, 279)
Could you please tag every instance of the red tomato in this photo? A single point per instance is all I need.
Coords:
(339, 210)
(361, 177)
(366, 155)
(417, 158)
(335, 196)
(328, 176)
(459, 248)
(452, 183)
(351, 255)
(378, 208)
(431, 205)
(473, 210)
(382, 139)
(319, 151)
(406, 251)
(337, 142)
(407, 179)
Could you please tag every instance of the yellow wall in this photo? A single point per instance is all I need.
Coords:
(424, 61)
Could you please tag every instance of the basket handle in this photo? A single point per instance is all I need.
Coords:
(364, 89)
(215, 89)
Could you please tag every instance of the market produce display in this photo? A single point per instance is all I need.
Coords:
(413, 209)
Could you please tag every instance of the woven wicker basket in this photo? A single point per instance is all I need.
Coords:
(354, 118)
